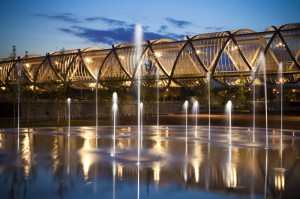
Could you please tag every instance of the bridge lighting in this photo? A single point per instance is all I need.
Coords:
(234, 47)
(178, 65)
(281, 80)
(280, 45)
(92, 85)
(158, 54)
(88, 60)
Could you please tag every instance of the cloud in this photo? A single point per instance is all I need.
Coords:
(108, 21)
(176, 36)
(66, 30)
(213, 28)
(178, 23)
(163, 28)
(114, 35)
(67, 17)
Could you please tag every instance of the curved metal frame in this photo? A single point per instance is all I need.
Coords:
(216, 43)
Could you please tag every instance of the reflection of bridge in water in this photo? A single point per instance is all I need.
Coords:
(228, 56)
(211, 167)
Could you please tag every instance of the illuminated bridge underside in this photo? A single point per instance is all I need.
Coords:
(230, 57)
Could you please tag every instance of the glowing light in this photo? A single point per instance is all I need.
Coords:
(280, 45)
(156, 172)
(120, 171)
(196, 166)
(86, 163)
(233, 177)
(198, 52)
(279, 181)
(234, 47)
(122, 57)
(1, 138)
(55, 153)
(281, 80)
(158, 146)
(26, 155)
(158, 54)
(167, 133)
(92, 85)
(86, 159)
(87, 144)
(27, 65)
(88, 60)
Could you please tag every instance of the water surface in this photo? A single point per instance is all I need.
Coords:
(48, 164)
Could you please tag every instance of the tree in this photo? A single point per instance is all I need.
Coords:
(223, 96)
(242, 93)
(13, 54)
(150, 84)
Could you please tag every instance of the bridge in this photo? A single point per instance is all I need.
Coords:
(229, 57)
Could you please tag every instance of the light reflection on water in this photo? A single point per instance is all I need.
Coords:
(198, 168)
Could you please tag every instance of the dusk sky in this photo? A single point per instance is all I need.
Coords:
(40, 26)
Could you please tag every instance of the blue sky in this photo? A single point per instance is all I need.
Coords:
(40, 26)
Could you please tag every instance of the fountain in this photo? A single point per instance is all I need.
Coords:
(195, 110)
(141, 124)
(266, 173)
(69, 131)
(157, 98)
(140, 158)
(115, 109)
(19, 76)
(138, 42)
(253, 99)
(262, 62)
(96, 108)
(228, 111)
(229, 168)
(114, 179)
(208, 92)
(185, 105)
(281, 96)
(69, 115)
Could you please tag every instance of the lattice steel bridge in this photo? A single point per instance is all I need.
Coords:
(229, 57)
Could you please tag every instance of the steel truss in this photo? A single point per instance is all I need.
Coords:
(231, 57)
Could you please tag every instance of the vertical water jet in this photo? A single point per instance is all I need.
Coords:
(208, 92)
(228, 111)
(69, 115)
(195, 110)
(138, 42)
(115, 108)
(254, 105)
(281, 96)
